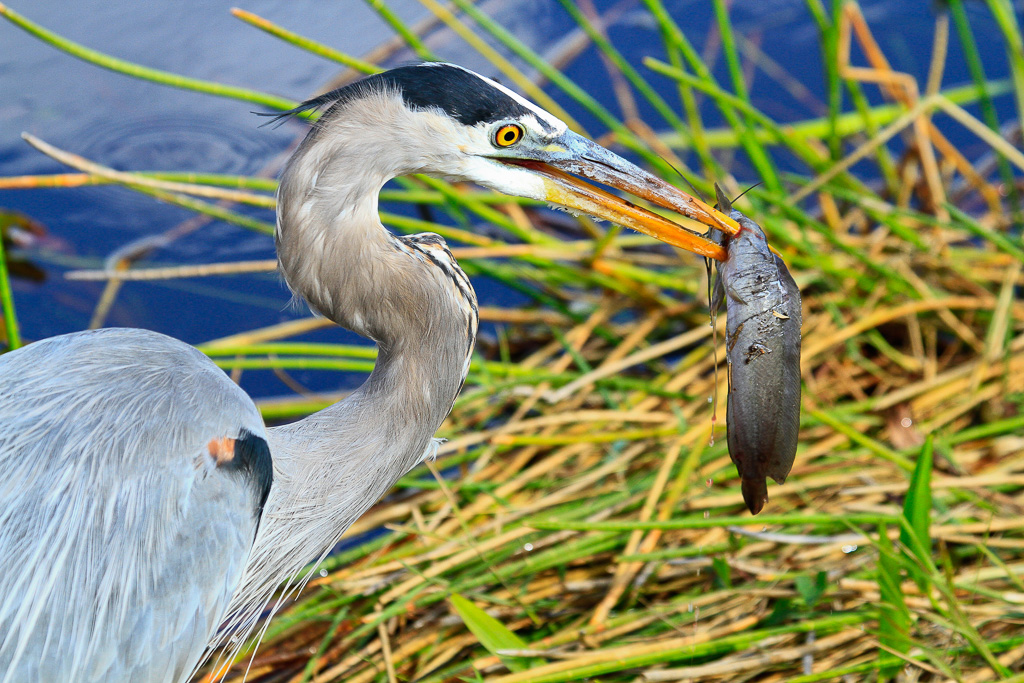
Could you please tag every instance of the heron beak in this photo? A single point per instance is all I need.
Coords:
(573, 155)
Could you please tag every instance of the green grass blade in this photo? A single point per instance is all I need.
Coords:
(1006, 19)
(7, 302)
(748, 140)
(917, 506)
(631, 74)
(997, 239)
(554, 673)
(846, 124)
(703, 79)
(857, 437)
(304, 43)
(893, 616)
(988, 110)
(491, 633)
(829, 32)
(143, 72)
(755, 150)
(694, 135)
(400, 27)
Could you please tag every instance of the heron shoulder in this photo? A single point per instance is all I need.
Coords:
(131, 381)
(106, 481)
(117, 405)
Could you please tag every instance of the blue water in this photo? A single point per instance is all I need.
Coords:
(129, 124)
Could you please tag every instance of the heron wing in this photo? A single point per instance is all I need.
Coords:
(121, 539)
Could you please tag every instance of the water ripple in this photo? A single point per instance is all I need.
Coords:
(176, 142)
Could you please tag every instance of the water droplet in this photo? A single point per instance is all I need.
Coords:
(323, 572)
(711, 399)
(906, 423)
(849, 549)
(528, 547)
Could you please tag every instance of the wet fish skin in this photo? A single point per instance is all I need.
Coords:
(763, 307)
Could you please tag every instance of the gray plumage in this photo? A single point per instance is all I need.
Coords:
(762, 343)
(139, 521)
(105, 471)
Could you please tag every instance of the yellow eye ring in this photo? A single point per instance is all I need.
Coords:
(508, 135)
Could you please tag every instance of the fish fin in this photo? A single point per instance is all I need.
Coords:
(755, 494)
(735, 296)
(718, 295)
(785, 277)
(724, 205)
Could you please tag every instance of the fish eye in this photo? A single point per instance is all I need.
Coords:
(508, 135)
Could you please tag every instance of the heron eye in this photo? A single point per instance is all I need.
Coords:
(507, 135)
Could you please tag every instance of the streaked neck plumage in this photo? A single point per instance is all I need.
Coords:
(405, 293)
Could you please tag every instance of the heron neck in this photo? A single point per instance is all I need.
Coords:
(330, 467)
(333, 250)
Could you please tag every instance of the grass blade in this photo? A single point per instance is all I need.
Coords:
(7, 301)
(893, 616)
(304, 43)
(143, 72)
(491, 633)
(917, 507)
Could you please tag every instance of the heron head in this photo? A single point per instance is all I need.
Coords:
(446, 120)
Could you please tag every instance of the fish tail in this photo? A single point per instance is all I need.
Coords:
(755, 494)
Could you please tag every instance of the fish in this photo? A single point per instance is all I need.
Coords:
(762, 341)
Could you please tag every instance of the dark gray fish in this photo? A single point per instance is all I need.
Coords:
(762, 342)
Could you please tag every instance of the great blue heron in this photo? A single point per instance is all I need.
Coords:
(142, 500)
